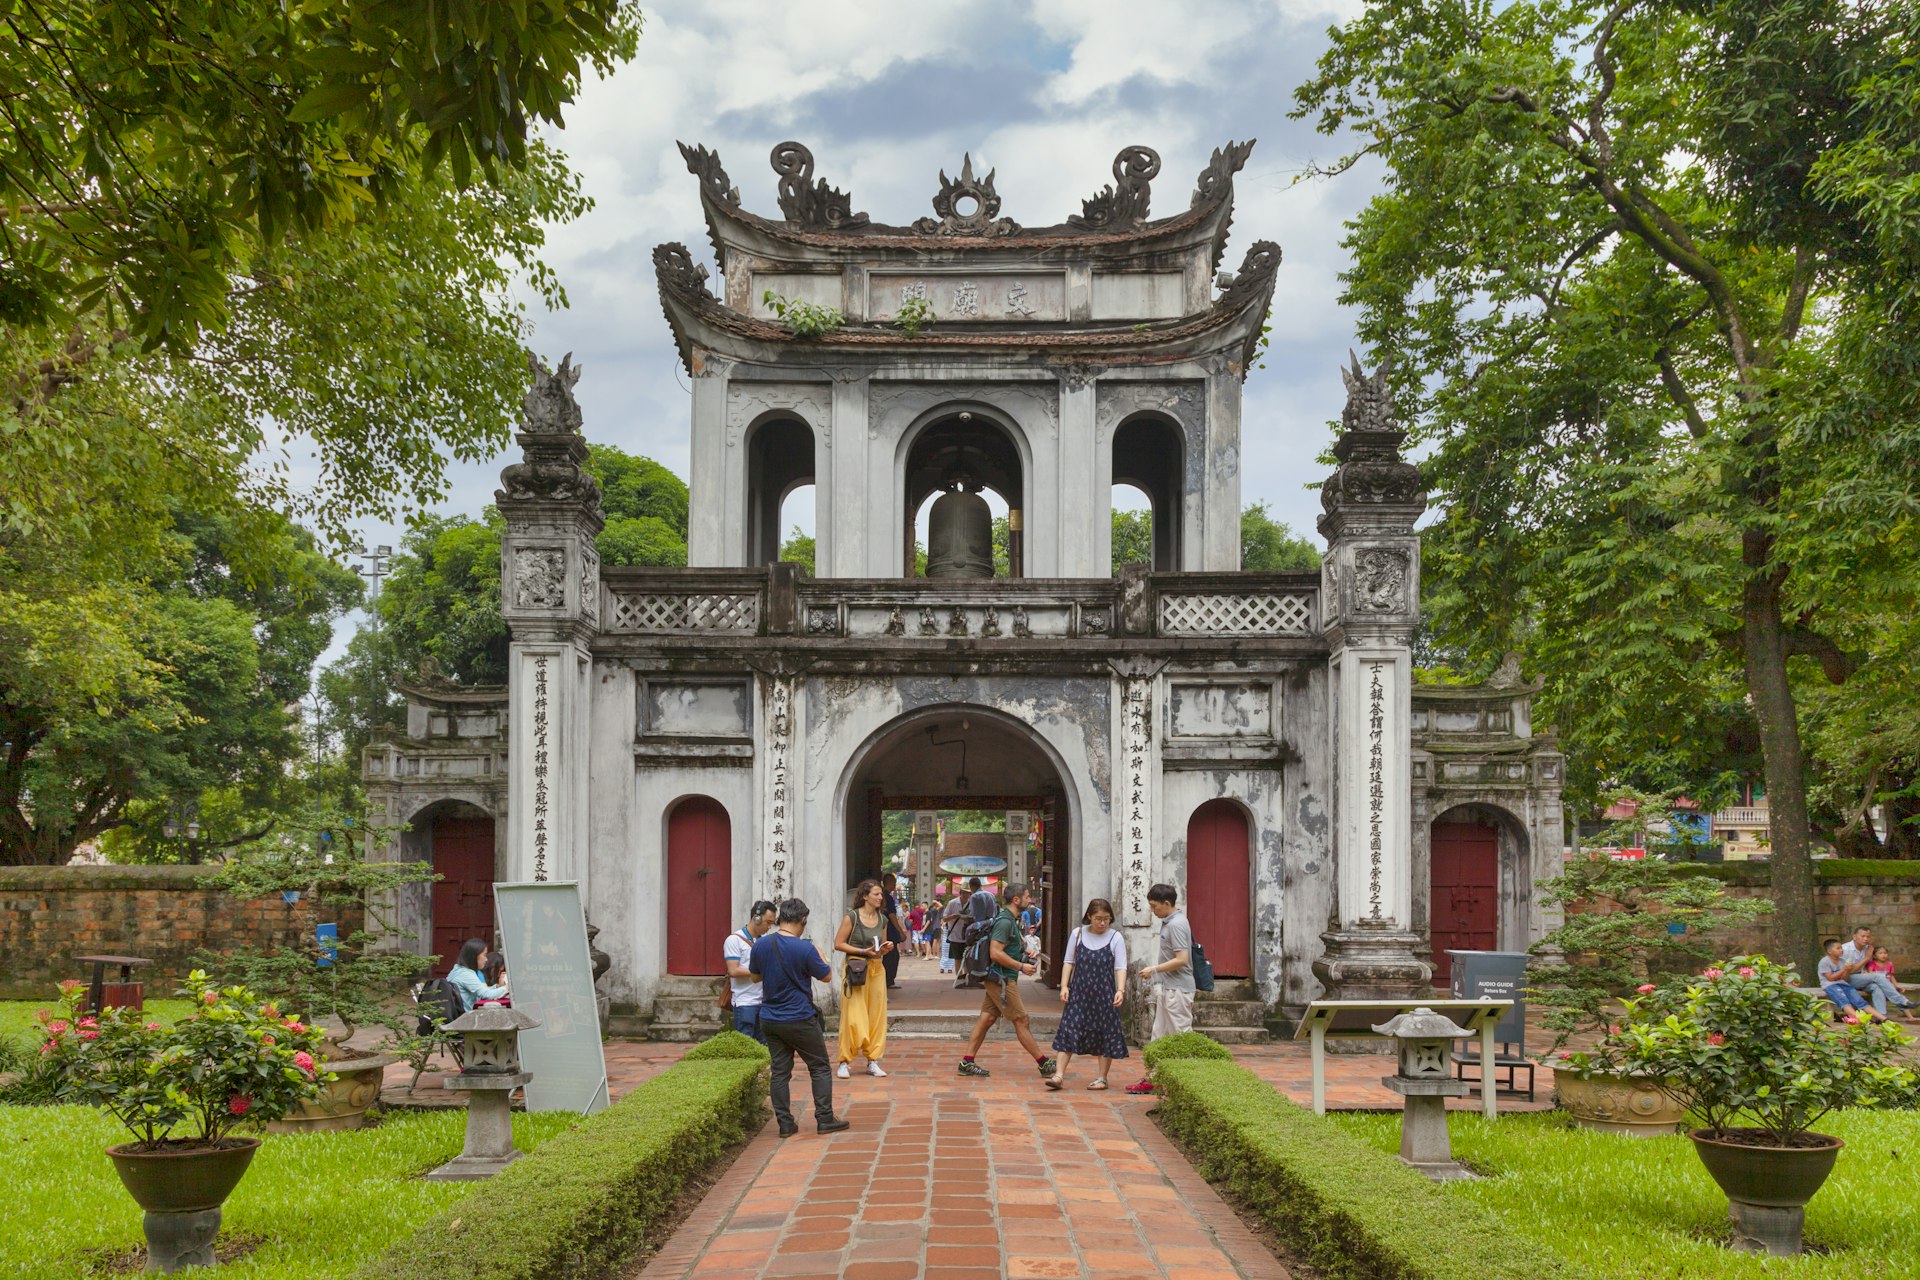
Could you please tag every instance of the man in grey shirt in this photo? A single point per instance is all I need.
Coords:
(1878, 987)
(1172, 978)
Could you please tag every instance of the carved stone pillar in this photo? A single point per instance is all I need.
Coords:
(1371, 586)
(550, 598)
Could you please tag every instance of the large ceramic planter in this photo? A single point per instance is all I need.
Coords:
(344, 1102)
(1618, 1104)
(182, 1188)
(1767, 1187)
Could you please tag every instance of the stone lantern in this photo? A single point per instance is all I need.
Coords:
(490, 1072)
(1425, 1041)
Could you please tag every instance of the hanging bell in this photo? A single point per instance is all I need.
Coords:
(960, 535)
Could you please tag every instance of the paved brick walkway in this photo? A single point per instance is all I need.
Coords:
(1072, 1184)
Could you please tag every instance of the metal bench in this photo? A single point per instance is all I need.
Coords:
(1355, 1020)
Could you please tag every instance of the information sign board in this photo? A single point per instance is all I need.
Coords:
(543, 931)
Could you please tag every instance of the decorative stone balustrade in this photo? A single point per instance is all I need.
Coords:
(757, 602)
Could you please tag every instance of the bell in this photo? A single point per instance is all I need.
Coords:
(960, 536)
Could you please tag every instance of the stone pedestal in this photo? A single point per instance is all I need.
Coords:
(1424, 1143)
(1767, 1228)
(176, 1241)
(489, 1147)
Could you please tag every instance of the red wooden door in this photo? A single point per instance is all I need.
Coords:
(699, 886)
(1220, 886)
(463, 895)
(1466, 883)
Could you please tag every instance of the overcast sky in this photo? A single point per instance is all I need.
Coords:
(888, 95)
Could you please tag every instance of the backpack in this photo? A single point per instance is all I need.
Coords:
(438, 1003)
(1202, 967)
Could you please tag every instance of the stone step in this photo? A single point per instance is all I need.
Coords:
(1228, 989)
(1229, 1013)
(1237, 1035)
(684, 1010)
(708, 986)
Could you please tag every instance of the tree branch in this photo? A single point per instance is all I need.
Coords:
(1795, 309)
(1681, 397)
(1835, 663)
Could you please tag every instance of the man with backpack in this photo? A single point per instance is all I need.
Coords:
(1173, 988)
(1001, 957)
(743, 989)
(982, 906)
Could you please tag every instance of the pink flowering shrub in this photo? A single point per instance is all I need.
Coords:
(1752, 1056)
(229, 1063)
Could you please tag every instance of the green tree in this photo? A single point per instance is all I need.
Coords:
(1270, 546)
(1647, 273)
(218, 659)
(1132, 538)
(798, 549)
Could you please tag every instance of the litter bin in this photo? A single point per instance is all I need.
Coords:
(124, 994)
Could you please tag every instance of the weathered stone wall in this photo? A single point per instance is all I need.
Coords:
(49, 915)
(1889, 904)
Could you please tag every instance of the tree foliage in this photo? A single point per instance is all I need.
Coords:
(1647, 272)
(1269, 546)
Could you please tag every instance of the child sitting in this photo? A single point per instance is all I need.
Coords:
(1882, 962)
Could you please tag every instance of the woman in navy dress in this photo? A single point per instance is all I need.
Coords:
(1093, 990)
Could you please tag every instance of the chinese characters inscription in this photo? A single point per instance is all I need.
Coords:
(779, 785)
(541, 797)
(1376, 783)
(1136, 740)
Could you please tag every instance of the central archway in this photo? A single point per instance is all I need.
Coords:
(968, 757)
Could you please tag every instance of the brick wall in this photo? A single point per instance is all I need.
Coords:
(49, 915)
(1889, 905)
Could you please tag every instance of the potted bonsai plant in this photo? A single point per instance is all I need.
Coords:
(1626, 923)
(1756, 1062)
(184, 1093)
(347, 984)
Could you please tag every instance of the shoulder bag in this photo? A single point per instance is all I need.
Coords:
(856, 965)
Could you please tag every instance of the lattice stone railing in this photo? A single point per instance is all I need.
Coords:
(657, 611)
(1233, 614)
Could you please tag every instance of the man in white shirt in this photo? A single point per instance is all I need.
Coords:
(1878, 987)
(744, 988)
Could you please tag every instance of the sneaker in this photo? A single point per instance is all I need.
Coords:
(874, 1070)
(968, 1067)
(844, 1072)
(1145, 1086)
(1047, 1066)
(834, 1125)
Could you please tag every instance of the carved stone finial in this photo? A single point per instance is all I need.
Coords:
(550, 444)
(550, 408)
(705, 165)
(1507, 675)
(980, 216)
(1216, 180)
(1124, 202)
(676, 270)
(1371, 473)
(807, 204)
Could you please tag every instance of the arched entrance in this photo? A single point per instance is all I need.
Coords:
(699, 886)
(461, 900)
(966, 758)
(1219, 897)
(1465, 906)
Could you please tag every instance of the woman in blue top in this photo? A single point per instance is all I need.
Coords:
(465, 977)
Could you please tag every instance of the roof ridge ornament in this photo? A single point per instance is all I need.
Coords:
(705, 165)
(1369, 404)
(1373, 478)
(1216, 180)
(806, 204)
(1123, 203)
(980, 219)
(675, 267)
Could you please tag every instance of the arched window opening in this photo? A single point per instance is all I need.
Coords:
(1149, 456)
(1133, 526)
(971, 451)
(779, 462)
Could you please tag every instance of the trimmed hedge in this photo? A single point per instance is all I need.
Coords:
(583, 1203)
(1352, 1211)
(1183, 1044)
(728, 1046)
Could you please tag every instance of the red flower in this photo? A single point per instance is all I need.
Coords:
(46, 1048)
(1851, 1019)
(1745, 972)
(1614, 1030)
(269, 1010)
(295, 1025)
(153, 1026)
(71, 984)
(1714, 973)
(88, 1033)
(239, 1104)
(304, 1061)
(1716, 1039)
(1566, 1055)
(210, 997)
(1644, 988)
(89, 1021)
(56, 1026)
(266, 1039)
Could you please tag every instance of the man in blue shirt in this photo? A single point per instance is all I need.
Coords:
(787, 966)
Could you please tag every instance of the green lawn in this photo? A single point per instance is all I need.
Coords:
(1645, 1209)
(17, 1022)
(324, 1203)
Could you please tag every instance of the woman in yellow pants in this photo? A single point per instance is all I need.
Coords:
(862, 938)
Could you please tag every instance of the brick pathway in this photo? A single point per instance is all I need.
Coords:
(1073, 1184)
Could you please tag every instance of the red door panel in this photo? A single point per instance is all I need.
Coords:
(699, 886)
(1220, 886)
(463, 895)
(1466, 885)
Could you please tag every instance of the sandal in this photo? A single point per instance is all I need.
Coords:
(1054, 1082)
(1097, 1085)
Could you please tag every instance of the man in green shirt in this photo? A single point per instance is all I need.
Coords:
(1007, 960)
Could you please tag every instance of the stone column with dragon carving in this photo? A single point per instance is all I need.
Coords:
(550, 597)
(1371, 587)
